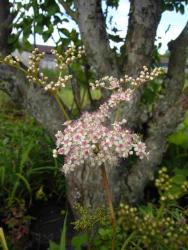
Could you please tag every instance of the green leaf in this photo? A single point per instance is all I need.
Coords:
(79, 240)
(113, 3)
(3, 242)
(62, 245)
(181, 9)
(42, 169)
(26, 45)
(24, 180)
(74, 35)
(46, 35)
(39, 29)
(53, 246)
(180, 138)
(25, 155)
(65, 32)
(63, 234)
(53, 9)
(115, 38)
(179, 179)
(183, 171)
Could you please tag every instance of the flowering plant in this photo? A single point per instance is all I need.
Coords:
(90, 140)
(94, 140)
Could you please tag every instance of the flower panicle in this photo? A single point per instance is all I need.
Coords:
(90, 141)
(113, 83)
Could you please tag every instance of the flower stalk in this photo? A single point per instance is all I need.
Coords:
(108, 195)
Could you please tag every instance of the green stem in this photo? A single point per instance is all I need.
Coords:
(118, 113)
(3, 242)
(108, 195)
(61, 106)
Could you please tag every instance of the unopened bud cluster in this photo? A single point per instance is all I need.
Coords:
(163, 182)
(61, 83)
(68, 57)
(110, 82)
(63, 61)
(165, 187)
(151, 230)
(12, 61)
(87, 219)
(184, 187)
(34, 67)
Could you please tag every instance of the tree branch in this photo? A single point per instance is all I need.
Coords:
(68, 10)
(94, 36)
(144, 18)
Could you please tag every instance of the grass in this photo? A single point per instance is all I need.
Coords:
(26, 161)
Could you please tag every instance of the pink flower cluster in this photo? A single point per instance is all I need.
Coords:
(90, 141)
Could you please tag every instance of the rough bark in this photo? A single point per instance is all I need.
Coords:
(144, 17)
(93, 32)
